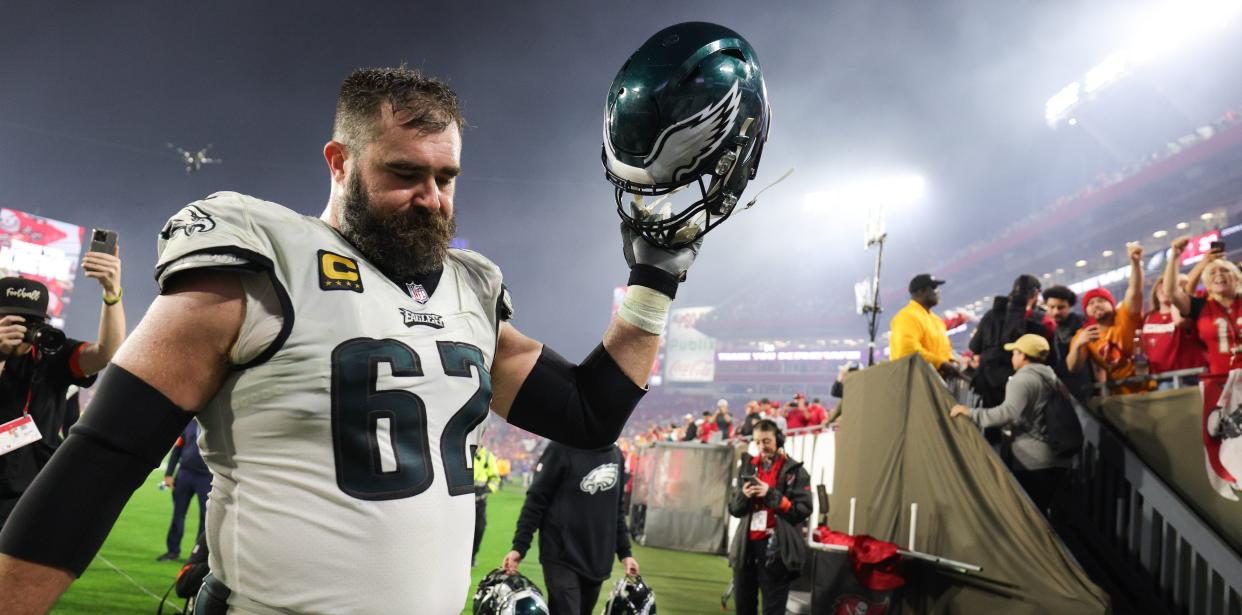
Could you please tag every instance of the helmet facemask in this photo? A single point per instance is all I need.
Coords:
(718, 193)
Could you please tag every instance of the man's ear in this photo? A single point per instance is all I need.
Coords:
(335, 154)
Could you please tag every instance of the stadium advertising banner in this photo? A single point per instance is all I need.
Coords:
(690, 355)
(41, 249)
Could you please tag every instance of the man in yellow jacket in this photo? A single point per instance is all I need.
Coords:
(486, 480)
(918, 330)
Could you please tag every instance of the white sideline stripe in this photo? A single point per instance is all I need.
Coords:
(127, 577)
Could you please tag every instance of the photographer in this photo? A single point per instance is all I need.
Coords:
(773, 500)
(38, 364)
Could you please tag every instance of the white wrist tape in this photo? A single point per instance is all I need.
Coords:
(645, 308)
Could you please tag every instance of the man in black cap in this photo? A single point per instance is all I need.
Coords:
(917, 330)
(38, 364)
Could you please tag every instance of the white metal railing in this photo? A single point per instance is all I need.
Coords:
(1126, 510)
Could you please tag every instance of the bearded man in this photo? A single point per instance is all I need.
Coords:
(339, 367)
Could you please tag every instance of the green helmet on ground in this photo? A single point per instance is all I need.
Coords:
(688, 107)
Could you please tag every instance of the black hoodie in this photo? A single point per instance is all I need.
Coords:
(575, 502)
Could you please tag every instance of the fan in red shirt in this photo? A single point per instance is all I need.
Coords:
(1218, 320)
(816, 414)
(797, 416)
(1169, 340)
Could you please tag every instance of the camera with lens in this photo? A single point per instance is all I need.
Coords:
(47, 339)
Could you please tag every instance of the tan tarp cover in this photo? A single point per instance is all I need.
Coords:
(1165, 429)
(897, 445)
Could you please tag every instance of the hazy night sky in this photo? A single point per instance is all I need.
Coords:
(91, 91)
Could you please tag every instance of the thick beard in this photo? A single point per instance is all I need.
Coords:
(403, 244)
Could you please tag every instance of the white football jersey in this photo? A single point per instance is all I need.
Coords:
(341, 444)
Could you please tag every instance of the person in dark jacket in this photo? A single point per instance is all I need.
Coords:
(1060, 301)
(575, 501)
(773, 500)
(191, 479)
(1011, 317)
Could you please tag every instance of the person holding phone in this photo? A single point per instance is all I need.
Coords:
(1107, 339)
(773, 499)
(38, 364)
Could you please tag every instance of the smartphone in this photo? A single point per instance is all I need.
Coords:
(103, 240)
(752, 479)
(1217, 246)
(1088, 321)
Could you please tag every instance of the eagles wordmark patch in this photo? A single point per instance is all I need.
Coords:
(411, 318)
(338, 272)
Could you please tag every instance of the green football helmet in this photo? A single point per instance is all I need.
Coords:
(690, 104)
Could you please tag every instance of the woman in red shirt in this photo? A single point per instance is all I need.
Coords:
(1217, 320)
(1169, 340)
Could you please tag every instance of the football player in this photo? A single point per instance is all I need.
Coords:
(339, 367)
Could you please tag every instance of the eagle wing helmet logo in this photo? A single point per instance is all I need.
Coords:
(681, 147)
(199, 222)
(600, 479)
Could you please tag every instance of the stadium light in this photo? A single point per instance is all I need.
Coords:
(1047, 276)
(1181, 226)
(1106, 253)
(1060, 271)
(1080, 264)
(1106, 72)
(1160, 233)
(1058, 107)
(1206, 216)
(1168, 25)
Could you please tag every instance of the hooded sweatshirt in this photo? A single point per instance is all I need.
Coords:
(1027, 394)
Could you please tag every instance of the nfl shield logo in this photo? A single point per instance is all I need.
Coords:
(417, 292)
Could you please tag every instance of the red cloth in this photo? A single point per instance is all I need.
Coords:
(769, 477)
(1169, 346)
(876, 563)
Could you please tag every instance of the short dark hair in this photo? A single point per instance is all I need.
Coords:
(1061, 292)
(767, 425)
(431, 104)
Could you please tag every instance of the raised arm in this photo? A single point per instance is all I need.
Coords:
(1134, 291)
(172, 365)
(105, 269)
(1178, 297)
(586, 405)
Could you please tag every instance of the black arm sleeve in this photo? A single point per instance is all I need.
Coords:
(583, 406)
(623, 532)
(538, 498)
(63, 518)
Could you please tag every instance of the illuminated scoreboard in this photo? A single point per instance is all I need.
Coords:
(41, 249)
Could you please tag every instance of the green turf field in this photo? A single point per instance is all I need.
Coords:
(125, 578)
